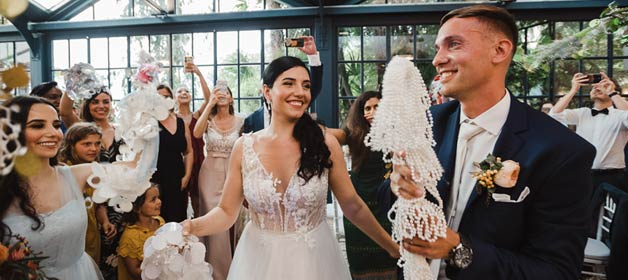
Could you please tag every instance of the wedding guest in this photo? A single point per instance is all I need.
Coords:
(174, 163)
(604, 126)
(43, 201)
(81, 144)
(184, 100)
(221, 127)
(50, 92)
(539, 230)
(97, 109)
(367, 260)
(284, 172)
(141, 223)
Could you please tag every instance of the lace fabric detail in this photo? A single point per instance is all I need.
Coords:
(221, 141)
(299, 210)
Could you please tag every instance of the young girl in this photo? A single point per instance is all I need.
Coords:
(81, 144)
(141, 223)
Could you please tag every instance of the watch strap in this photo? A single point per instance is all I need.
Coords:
(613, 93)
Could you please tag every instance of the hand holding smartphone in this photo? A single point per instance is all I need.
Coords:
(594, 78)
(294, 42)
(188, 59)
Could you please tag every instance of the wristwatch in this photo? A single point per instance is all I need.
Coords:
(461, 256)
(613, 93)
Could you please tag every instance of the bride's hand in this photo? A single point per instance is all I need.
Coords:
(187, 227)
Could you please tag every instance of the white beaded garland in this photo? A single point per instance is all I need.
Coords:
(9, 140)
(403, 123)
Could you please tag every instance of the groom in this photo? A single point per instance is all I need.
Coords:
(537, 229)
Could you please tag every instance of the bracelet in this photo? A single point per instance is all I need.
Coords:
(613, 93)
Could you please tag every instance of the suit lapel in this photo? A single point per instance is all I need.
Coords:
(447, 154)
(508, 142)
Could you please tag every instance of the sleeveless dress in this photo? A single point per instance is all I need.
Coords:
(62, 238)
(170, 171)
(218, 144)
(287, 237)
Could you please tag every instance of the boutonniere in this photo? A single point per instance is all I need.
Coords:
(495, 173)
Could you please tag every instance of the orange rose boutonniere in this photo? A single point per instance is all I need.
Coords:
(495, 173)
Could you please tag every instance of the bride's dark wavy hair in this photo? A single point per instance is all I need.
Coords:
(314, 152)
(13, 187)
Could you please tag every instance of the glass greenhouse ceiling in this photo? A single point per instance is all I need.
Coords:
(50, 4)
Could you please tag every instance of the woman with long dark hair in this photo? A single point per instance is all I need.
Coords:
(43, 201)
(284, 171)
(367, 260)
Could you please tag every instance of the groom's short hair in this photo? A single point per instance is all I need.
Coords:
(497, 19)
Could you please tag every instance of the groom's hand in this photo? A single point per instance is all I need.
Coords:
(438, 249)
(401, 182)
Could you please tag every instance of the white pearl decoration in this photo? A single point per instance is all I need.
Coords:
(403, 122)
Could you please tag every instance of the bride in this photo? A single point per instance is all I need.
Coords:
(283, 172)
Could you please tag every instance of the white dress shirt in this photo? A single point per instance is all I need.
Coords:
(478, 147)
(607, 133)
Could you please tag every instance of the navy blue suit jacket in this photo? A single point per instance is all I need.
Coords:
(255, 121)
(544, 236)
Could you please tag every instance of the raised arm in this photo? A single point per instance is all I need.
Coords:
(204, 87)
(608, 87)
(225, 214)
(352, 205)
(576, 82)
(201, 124)
(66, 111)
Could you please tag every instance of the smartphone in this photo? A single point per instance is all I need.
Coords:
(221, 85)
(594, 78)
(187, 59)
(294, 42)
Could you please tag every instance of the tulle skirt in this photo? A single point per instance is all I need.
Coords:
(85, 269)
(264, 255)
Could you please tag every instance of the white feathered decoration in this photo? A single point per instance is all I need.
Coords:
(403, 123)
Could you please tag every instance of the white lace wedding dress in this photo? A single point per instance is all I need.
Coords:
(287, 237)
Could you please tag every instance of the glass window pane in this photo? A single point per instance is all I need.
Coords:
(564, 71)
(57, 76)
(23, 54)
(566, 29)
(229, 6)
(78, 51)
(181, 46)
(204, 48)
(60, 55)
(164, 76)
(250, 46)
(227, 47)
(598, 45)
(119, 83)
(141, 8)
(375, 43)
(250, 81)
(594, 65)
(248, 106)
(208, 74)
(180, 78)
(118, 48)
(294, 33)
(87, 14)
(536, 35)
(273, 44)
(110, 9)
(620, 73)
(618, 49)
(373, 75)
(349, 82)
(186, 7)
(229, 74)
(160, 48)
(6, 55)
(349, 44)
(98, 52)
(401, 41)
(343, 110)
(425, 39)
(138, 43)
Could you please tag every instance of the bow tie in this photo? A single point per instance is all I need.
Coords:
(595, 112)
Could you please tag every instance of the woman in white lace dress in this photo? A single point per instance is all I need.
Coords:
(283, 172)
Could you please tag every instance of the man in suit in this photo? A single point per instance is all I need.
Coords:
(539, 230)
(261, 118)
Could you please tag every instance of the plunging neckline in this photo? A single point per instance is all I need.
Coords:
(176, 127)
(270, 174)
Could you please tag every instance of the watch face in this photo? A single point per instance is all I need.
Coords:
(463, 257)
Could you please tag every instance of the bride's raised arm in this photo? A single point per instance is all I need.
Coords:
(353, 207)
(225, 214)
